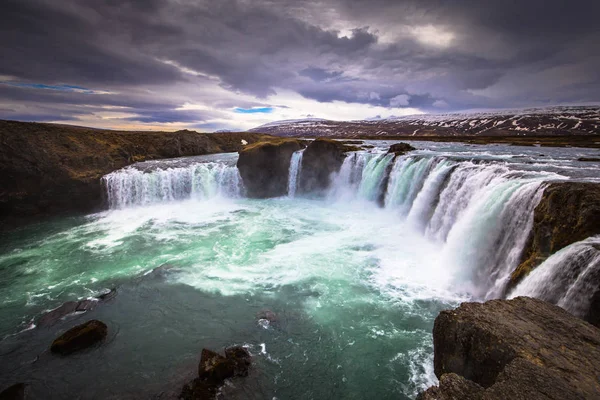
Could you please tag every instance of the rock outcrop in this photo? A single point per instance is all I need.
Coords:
(567, 213)
(399, 149)
(80, 337)
(214, 369)
(264, 167)
(322, 158)
(514, 349)
(48, 169)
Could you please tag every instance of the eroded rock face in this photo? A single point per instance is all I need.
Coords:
(264, 167)
(322, 158)
(80, 337)
(567, 213)
(514, 349)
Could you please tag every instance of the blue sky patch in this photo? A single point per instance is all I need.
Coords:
(62, 88)
(256, 110)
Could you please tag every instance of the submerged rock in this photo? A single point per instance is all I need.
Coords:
(567, 213)
(80, 337)
(399, 149)
(322, 158)
(70, 307)
(17, 391)
(264, 167)
(214, 369)
(514, 349)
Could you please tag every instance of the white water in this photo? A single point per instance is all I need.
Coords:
(568, 278)
(294, 174)
(135, 187)
(479, 214)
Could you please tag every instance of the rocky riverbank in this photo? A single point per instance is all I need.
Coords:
(514, 349)
(48, 169)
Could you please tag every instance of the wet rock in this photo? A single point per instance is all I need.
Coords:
(514, 349)
(589, 159)
(264, 167)
(199, 389)
(322, 158)
(15, 392)
(241, 359)
(593, 314)
(70, 307)
(214, 367)
(108, 295)
(399, 149)
(80, 337)
(267, 315)
(53, 316)
(567, 213)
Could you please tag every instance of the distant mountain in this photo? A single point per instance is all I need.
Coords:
(548, 121)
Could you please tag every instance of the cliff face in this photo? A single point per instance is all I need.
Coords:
(567, 213)
(514, 349)
(47, 169)
(264, 167)
(322, 158)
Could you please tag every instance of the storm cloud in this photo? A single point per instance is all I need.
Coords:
(177, 63)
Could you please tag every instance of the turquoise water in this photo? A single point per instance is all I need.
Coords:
(355, 286)
(355, 292)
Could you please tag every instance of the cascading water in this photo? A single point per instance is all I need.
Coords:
(134, 187)
(568, 278)
(294, 174)
(481, 214)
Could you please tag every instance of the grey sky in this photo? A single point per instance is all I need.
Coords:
(235, 64)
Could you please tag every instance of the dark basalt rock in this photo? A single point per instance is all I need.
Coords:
(214, 369)
(264, 167)
(399, 149)
(593, 314)
(80, 337)
(241, 359)
(589, 159)
(15, 392)
(514, 349)
(567, 213)
(322, 158)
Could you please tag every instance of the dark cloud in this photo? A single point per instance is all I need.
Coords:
(464, 54)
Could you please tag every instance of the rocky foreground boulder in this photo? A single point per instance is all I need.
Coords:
(567, 213)
(17, 391)
(264, 167)
(321, 160)
(80, 337)
(514, 349)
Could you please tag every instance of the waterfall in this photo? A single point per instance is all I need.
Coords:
(133, 187)
(294, 174)
(479, 213)
(569, 278)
